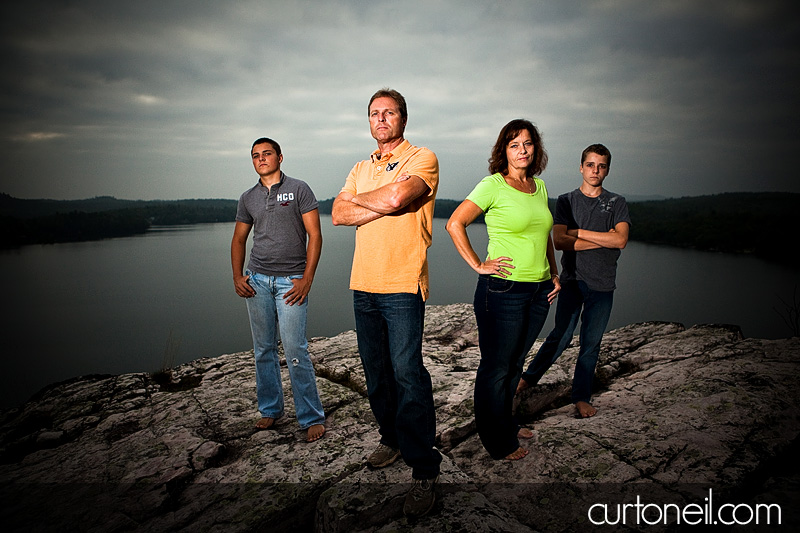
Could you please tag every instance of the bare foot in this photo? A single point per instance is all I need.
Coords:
(585, 410)
(525, 433)
(519, 454)
(265, 423)
(315, 432)
(522, 385)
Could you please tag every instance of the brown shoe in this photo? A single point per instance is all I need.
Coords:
(383, 456)
(421, 497)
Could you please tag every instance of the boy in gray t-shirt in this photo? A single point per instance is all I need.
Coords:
(590, 226)
(283, 215)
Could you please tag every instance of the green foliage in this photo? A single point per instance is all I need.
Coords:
(25, 209)
(444, 208)
(51, 221)
(730, 222)
(69, 227)
(325, 206)
(188, 212)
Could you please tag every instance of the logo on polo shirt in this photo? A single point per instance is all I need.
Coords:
(390, 166)
(285, 198)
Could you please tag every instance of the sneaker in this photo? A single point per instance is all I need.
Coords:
(383, 456)
(420, 499)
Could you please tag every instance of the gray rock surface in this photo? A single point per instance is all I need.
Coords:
(681, 411)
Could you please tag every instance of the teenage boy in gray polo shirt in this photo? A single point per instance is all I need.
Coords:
(283, 214)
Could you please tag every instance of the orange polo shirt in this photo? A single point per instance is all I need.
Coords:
(391, 253)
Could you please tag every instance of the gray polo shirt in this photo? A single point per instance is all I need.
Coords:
(279, 236)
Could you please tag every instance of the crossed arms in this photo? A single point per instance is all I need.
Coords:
(579, 240)
(362, 208)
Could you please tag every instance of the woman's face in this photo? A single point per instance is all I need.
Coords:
(520, 151)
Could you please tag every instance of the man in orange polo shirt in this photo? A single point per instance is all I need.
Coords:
(390, 197)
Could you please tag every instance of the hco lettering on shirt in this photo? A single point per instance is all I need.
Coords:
(286, 197)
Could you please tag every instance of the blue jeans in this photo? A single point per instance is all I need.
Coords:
(269, 313)
(389, 330)
(596, 305)
(510, 316)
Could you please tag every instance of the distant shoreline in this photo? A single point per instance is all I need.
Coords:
(736, 223)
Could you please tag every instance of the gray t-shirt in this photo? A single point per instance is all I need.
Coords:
(279, 236)
(597, 268)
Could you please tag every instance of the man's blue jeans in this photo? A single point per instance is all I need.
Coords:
(389, 330)
(269, 313)
(596, 305)
(510, 316)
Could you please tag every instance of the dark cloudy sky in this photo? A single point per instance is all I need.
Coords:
(162, 100)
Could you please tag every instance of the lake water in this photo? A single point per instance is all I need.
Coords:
(165, 298)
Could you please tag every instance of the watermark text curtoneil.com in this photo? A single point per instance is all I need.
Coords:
(651, 514)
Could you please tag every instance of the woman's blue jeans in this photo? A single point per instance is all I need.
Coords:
(269, 314)
(575, 296)
(510, 316)
(389, 330)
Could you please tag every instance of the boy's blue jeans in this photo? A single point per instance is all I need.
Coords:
(575, 296)
(269, 314)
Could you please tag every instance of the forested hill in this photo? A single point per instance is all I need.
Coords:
(731, 222)
(162, 211)
(50, 221)
(756, 223)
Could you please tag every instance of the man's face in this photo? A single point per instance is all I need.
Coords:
(385, 123)
(265, 159)
(594, 169)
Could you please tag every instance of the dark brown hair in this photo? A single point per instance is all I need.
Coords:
(267, 140)
(598, 149)
(498, 162)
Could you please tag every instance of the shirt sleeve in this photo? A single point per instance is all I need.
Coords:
(308, 202)
(484, 194)
(563, 215)
(621, 211)
(242, 214)
(425, 164)
(540, 183)
(350, 182)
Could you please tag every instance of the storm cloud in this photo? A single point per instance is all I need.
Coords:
(162, 100)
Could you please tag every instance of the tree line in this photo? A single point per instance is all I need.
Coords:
(753, 223)
(730, 222)
(53, 221)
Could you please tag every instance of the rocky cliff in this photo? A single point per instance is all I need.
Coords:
(681, 412)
